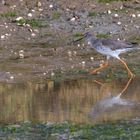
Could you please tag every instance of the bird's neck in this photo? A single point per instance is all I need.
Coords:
(92, 40)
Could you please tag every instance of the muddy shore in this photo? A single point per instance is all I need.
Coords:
(35, 36)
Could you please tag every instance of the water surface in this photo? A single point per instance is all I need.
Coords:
(79, 101)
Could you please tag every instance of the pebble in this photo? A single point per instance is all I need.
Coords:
(133, 15)
(78, 45)
(119, 23)
(69, 53)
(52, 73)
(21, 56)
(44, 73)
(2, 36)
(138, 15)
(33, 34)
(33, 10)
(21, 51)
(30, 15)
(83, 44)
(121, 7)
(36, 30)
(13, 7)
(116, 15)
(19, 18)
(73, 19)
(74, 52)
(39, 4)
(51, 6)
(109, 11)
(83, 62)
(40, 9)
(92, 58)
(11, 77)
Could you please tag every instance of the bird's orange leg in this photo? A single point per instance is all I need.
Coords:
(100, 68)
(126, 86)
(129, 71)
(98, 82)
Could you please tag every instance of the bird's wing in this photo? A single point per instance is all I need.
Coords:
(117, 45)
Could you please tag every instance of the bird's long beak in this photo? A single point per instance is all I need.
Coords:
(78, 39)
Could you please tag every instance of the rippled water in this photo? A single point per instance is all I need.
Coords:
(79, 101)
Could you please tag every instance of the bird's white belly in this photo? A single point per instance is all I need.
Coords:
(107, 51)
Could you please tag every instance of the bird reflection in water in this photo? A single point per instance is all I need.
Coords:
(110, 105)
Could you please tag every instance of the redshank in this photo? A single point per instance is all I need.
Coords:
(110, 48)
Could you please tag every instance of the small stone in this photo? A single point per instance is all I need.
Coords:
(119, 23)
(33, 34)
(90, 26)
(19, 18)
(13, 7)
(21, 51)
(133, 15)
(52, 74)
(73, 19)
(11, 77)
(2, 36)
(92, 58)
(83, 44)
(30, 15)
(36, 30)
(21, 55)
(136, 26)
(78, 45)
(44, 73)
(109, 11)
(69, 53)
(3, 2)
(74, 52)
(33, 10)
(72, 66)
(39, 4)
(116, 15)
(51, 6)
(40, 9)
(121, 7)
(138, 15)
(88, 43)
(83, 62)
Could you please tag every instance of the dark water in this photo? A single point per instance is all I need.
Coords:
(79, 101)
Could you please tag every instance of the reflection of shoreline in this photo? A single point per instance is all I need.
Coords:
(56, 102)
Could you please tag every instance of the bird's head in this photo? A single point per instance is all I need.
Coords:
(87, 36)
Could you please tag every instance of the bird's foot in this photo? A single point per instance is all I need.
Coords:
(96, 71)
(93, 72)
(132, 75)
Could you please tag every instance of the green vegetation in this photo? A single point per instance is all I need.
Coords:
(56, 15)
(92, 14)
(8, 14)
(137, 8)
(135, 39)
(78, 35)
(31, 22)
(46, 45)
(101, 35)
(52, 131)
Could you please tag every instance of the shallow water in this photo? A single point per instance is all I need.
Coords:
(79, 101)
